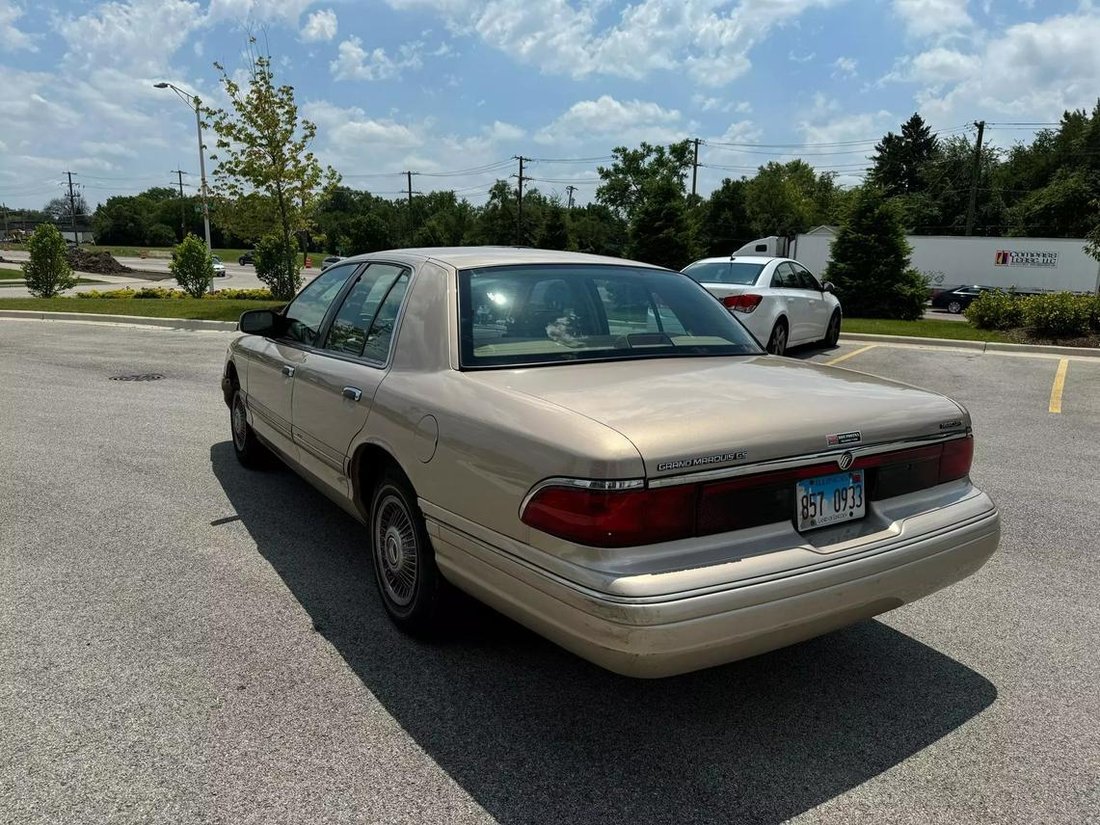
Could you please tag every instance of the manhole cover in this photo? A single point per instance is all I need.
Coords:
(145, 376)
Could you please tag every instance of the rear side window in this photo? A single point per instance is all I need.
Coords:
(354, 324)
(305, 313)
(724, 272)
(784, 277)
(552, 313)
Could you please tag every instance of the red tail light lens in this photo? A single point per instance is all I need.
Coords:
(613, 518)
(956, 459)
(742, 303)
(636, 516)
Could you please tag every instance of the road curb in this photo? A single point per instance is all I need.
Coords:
(977, 346)
(139, 320)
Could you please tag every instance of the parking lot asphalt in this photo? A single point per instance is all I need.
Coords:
(187, 641)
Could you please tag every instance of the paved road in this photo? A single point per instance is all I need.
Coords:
(185, 641)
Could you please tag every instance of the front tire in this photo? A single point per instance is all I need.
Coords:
(832, 332)
(777, 342)
(409, 582)
(955, 307)
(247, 447)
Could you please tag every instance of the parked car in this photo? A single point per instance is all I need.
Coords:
(330, 260)
(957, 299)
(219, 267)
(596, 448)
(777, 299)
(247, 258)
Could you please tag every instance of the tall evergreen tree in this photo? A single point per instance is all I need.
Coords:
(901, 161)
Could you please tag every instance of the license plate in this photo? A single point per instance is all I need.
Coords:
(825, 500)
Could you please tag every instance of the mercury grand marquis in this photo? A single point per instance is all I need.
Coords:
(598, 449)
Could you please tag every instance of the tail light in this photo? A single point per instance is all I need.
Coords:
(626, 514)
(613, 518)
(746, 302)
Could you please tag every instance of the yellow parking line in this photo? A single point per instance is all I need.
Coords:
(1059, 384)
(848, 355)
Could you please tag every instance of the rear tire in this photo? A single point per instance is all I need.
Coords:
(409, 582)
(777, 342)
(249, 450)
(832, 332)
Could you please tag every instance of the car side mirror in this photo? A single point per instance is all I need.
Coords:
(258, 322)
(828, 287)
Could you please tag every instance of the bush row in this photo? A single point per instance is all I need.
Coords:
(161, 293)
(1055, 315)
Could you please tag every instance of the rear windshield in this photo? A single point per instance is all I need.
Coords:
(724, 272)
(552, 313)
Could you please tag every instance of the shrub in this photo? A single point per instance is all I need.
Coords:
(107, 293)
(1059, 314)
(242, 294)
(192, 266)
(996, 310)
(47, 272)
(870, 263)
(1094, 312)
(160, 234)
(277, 265)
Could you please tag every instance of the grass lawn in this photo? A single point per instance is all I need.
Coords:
(164, 252)
(923, 328)
(207, 309)
(11, 274)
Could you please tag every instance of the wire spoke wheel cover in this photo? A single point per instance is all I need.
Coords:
(396, 551)
(239, 423)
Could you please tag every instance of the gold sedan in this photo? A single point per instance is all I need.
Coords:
(598, 449)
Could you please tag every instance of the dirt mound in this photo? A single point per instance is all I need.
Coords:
(99, 263)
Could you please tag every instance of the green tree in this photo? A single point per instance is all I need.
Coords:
(660, 232)
(724, 219)
(633, 171)
(554, 232)
(47, 272)
(264, 148)
(780, 199)
(901, 161)
(270, 257)
(192, 266)
(870, 262)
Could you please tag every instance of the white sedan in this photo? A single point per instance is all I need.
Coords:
(777, 299)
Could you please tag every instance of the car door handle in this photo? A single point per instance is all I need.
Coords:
(354, 393)
(288, 371)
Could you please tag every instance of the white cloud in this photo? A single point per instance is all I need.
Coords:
(798, 57)
(1033, 70)
(606, 118)
(709, 38)
(353, 62)
(12, 38)
(844, 67)
(141, 35)
(504, 132)
(717, 104)
(286, 11)
(320, 26)
(923, 18)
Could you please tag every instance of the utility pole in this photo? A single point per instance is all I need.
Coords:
(183, 217)
(570, 189)
(72, 209)
(519, 199)
(694, 165)
(972, 206)
(5, 210)
(409, 178)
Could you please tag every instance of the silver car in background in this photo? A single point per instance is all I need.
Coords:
(597, 449)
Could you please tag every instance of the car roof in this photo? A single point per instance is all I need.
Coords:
(741, 259)
(468, 257)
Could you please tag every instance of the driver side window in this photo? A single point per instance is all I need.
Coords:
(306, 313)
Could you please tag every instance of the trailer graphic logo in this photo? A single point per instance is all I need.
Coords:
(1009, 257)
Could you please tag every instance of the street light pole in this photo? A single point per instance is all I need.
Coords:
(194, 102)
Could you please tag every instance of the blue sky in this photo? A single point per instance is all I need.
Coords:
(439, 86)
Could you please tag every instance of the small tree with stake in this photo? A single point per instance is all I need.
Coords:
(870, 263)
(47, 272)
(263, 147)
(192, 266)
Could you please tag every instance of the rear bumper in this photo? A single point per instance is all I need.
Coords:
(671, 633)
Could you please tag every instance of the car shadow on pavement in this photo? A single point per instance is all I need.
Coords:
(535, 734)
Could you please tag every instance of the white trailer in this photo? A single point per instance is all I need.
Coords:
(1020, 264)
